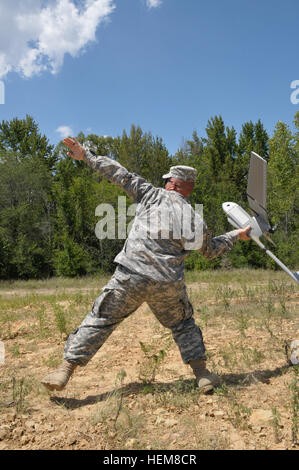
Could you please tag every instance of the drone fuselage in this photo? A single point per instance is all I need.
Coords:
(239, 218)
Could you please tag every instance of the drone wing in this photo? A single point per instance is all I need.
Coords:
(257, 187)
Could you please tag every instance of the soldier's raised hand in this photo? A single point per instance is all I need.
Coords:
(77, 151)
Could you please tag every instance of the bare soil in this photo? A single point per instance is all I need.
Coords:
(134, 397)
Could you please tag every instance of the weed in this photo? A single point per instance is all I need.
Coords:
(148, 388)
(60, 319)
(242, 321)
(41, 321)
(53, 360)
(180, 396)
(251, 356)
(119, 423)
(276, 424)
(16, 350)
(222, 390)
(282, 291)
(205, 439)
(112, 405)
(240, 415)
(225, 294)
(229, 356)
(268, 313)
(118, 384)
(203, 316)
(152, 361)
(20, 390)
(78, 298)
(6, 320)
(248, 292)
(294, 388)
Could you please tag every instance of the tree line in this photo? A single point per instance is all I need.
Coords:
(48, 200)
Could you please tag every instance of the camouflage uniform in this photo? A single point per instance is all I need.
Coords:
(150, 268)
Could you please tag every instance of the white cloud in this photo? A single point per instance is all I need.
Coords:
(35, 35)
(153, 3)
(65, 131)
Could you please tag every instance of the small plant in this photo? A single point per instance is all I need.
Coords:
(60, 319)
(112, 405)
(53, 360)
(229, 356)
(16, 350)
(78, 298)
(41, 321)
(252, 356)
(242, 323)
(203, 316)
(225, 294)
(7, 333)
(118, 423)
(248, 292)
(180, 396)
(153, 360)
(275, 424)
(268, 313)
(240, 415)
(294, 388)
(282, 291)
(222, 391)
(19, 391)
(118, 385)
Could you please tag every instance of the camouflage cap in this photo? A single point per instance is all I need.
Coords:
(182, 172)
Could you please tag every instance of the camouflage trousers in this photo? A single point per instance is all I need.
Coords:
(123, 294)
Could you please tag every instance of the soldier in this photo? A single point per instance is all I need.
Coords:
(150, 267)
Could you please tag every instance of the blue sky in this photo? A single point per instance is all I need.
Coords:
(168, 67)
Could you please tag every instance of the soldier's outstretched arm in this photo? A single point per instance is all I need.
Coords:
(212, 247)
(134, 185)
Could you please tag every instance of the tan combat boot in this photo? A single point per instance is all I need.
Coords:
(58, 379)
(205, 379)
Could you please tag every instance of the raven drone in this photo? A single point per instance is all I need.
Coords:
(256, 195)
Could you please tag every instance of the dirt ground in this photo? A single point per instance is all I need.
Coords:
(136, 393)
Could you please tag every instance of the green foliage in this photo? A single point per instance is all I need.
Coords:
(48, 200)
(71, 260)
(22, 137)
(26, 215)
(153, 358)
(195, 261)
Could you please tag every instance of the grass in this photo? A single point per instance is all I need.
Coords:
(294, 390)
(248, 318)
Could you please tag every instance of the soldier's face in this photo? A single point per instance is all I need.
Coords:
(183, 187)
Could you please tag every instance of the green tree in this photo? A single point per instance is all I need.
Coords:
(26, 213)
(283, 192)
(22, 136)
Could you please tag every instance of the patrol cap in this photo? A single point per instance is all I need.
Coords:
(182, 172)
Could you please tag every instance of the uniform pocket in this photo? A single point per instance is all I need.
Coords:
(119, 279)
(187, 306)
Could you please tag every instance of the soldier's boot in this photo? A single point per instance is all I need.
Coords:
(58, 379)
(206, 380)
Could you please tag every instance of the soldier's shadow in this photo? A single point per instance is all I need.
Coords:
(178, 386)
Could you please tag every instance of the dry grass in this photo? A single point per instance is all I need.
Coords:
(136, 393)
